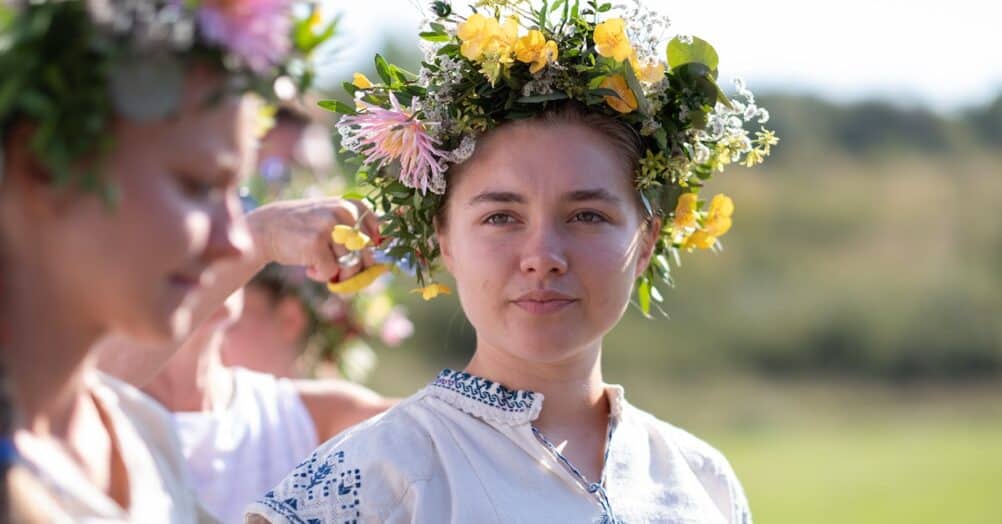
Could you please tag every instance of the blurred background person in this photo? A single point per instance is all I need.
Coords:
(241, 431)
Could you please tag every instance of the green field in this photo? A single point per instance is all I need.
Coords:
(913, 472)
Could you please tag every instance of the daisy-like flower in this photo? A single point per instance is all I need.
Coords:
(257, 31)
(385, 135)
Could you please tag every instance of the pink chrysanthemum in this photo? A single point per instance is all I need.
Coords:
(384, 135)
(257, 31)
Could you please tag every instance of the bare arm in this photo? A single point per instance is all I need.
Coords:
(335, 405)
(295, 232)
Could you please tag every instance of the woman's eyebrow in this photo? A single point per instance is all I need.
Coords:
(582, 195)
(497, 196)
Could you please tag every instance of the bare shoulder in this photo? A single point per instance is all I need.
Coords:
(335, 405)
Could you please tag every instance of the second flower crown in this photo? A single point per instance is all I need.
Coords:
(514, 59)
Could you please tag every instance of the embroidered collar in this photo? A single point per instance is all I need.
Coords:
(494, 402)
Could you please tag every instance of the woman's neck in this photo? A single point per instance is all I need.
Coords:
(573, 390)
(195, 378)
(47, 352)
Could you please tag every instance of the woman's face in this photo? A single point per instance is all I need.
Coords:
(545, 239)
(139, 267)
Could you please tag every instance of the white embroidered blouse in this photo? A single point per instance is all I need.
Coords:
(464, 449)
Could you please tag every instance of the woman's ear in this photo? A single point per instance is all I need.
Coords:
(649, 235)
(442, 237)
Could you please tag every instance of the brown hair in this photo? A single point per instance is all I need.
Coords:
(623, 138)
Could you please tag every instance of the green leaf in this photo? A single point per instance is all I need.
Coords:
(432, 36)
(643, 105)
(383, 69)
(337, 106)
(450, 49)
(537, 99)
(644, 295)
(699, 51)
(353, 195)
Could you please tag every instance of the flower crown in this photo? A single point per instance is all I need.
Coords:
(69, 66)
(514, 59)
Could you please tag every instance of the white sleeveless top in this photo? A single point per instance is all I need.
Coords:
(236, 454)
(465, 449)
(158, 492)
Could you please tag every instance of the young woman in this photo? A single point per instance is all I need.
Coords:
(573, 190)
(118, 192)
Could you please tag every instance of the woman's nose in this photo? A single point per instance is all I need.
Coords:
(229, 236)
(544, 253)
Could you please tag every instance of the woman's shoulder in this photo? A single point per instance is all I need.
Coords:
(386, 454)
(707, 463)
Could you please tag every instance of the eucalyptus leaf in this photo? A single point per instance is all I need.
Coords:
(699, 51)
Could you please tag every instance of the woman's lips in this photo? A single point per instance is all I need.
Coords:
(540, 307)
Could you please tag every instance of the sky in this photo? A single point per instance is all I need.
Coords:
(943, 55)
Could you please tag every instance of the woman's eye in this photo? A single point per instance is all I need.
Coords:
(499, 219)
(196, 189)
(589, 216)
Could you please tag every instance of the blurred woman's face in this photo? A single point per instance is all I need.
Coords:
(139, 267)
(545, 239)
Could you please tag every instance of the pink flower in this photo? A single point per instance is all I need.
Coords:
(384, 135)
(257, 31)
(396, 328)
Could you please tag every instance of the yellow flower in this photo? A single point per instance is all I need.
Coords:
(264, 120)
(361, 82)
(315, 18)
(718, 222)
(482, 35)
(718, 218)
(432, 290)
(700, 239)
(349, 237)
(534, 49)
(359, 281)
(611, 40)
(685, 211)
(476, 32)
(626, 102)
(650, 72)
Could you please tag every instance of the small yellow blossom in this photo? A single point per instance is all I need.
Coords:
(651, 72)
(626, 102)
(361, 82)
(535, 49)
(360, 281)
(316, 18)
(432, 290)
(611, 40)
(766, 139)
(754, 157)
(685, 211)
(349, 237)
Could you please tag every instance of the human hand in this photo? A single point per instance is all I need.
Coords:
(299, 233)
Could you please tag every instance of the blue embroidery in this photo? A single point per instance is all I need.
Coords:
(312, 482)
(485, 391)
